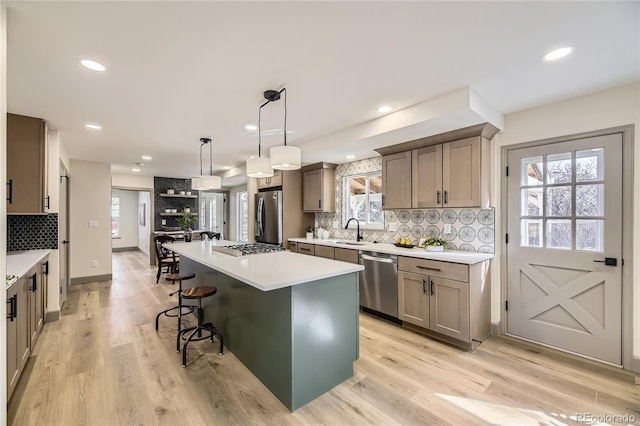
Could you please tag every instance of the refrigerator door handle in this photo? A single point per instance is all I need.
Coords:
(259, 213)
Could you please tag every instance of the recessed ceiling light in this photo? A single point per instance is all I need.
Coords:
(147, 158)
(227, 167)
(558, 53)
(92, 65)
(93, 126)
(350, 157)
(251, 127)
(135, 169)
(384, 108)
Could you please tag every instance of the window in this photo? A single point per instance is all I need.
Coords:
(115, 217)
(362, 199)
(242, 224)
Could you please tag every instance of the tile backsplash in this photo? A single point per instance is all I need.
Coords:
(32, 232)
(472, 229)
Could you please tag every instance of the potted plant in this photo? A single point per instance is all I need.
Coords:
(185, 221)
(171, 190)
(435, 244)
(309, 229)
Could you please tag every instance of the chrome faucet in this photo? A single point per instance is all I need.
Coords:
(358, 235)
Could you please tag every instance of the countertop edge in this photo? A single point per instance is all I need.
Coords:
(20, 262)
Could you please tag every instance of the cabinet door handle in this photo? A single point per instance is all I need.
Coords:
(15, 306)
(446, 198)
(432, 290)
(424, 286)
(382, 200)
(437, 197)
(12, 307)
(34, 283)
(10, 185)
(47, 202)
(427, 268)
(46, 267)
(319, 204)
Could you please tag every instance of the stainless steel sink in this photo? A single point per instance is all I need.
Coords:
(351, 243)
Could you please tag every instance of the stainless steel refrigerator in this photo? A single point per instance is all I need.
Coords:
(268, 225)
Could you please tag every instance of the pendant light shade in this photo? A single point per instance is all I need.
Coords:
(286, 157)
(203, 182)
(259, 167)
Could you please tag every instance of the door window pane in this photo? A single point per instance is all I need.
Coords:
(531, 202)
(559, 201)
(242, 230)
(558, 234)
(590, 200)
(531, 233)
(589, 165)
(531, 171)
(590, 235)
(559, 168)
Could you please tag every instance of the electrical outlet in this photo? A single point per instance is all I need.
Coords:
(93, 224)
(164, 221)
(447, 228)
(94, 263)
(393, 227)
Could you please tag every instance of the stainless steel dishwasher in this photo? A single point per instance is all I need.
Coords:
(379, 282)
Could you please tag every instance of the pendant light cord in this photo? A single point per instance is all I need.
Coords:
(285, 116)
(210, 157)
(259, 132)
(201, 145)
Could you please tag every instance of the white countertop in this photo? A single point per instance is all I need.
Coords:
(267, 271)
(19, 263)
(454, 256)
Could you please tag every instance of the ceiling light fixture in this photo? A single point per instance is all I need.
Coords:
(283, 157)
(350, 157)
(92, 65)
(147, 158)
(203, 182)
(558, 53)
(384, 108)
(135, 169)
(93, 126)
(259, 167)
(251, 127)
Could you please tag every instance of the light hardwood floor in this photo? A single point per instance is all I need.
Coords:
(103, 363)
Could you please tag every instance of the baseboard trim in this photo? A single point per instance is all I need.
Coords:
(91, 279)
(635, 367)
(51, 316)
(496, 328)
(115, 249)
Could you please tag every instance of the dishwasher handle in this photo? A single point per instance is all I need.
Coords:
(377, 259)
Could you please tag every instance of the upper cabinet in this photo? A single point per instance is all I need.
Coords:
(446, 170)
(26, 165)
(318, 188)
(271, 182)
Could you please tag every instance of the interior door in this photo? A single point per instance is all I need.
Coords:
(63, 235)
(564, 223)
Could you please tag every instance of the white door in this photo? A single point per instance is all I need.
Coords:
(564, 219)
(63, 234)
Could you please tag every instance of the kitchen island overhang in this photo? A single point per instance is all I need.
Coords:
(294, 324)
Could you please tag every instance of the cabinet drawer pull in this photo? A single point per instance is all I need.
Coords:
(304, 249)
(428, 269)
(46, 267)
(10, 185)
(432, 291)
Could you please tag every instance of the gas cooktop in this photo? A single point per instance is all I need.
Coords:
(247, 249)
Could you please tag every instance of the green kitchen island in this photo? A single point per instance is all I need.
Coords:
(291, 319)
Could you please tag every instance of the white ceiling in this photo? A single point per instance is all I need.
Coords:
(178, 71)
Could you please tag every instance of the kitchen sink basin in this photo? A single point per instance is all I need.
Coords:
(352, 243)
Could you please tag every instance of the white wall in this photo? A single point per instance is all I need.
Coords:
(609, 108)
(128, 227)
(132, 181)
(90, 199)
(144, 231)
(3, 206)
(233, 211)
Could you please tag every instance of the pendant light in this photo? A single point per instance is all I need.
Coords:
(283, 157)
(259, 167)
(206, 182)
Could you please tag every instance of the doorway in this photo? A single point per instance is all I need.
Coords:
(214, 212)
(130, 220)
(63, 234)
(564, 251)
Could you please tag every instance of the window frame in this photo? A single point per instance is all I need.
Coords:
(345, 200)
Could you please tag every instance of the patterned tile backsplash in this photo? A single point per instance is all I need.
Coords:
(161, 184)
(472, 229)
(32, 232)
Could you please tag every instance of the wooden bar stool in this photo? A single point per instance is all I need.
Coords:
(179, 309)
(198, 293)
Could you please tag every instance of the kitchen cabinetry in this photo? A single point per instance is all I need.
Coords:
(305, 248)
(445, 300)
(346, 255)
(318, 187)
(26, 165)
(293, 247)
(447, 170)
(271, 182)
(25, 318)
(325, 251)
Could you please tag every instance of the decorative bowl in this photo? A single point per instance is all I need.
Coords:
(404, 245)
(174, 210)
(167, 210)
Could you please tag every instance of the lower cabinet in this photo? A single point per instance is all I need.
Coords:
(445, 300)
(325, 251)
(25, 318)
(293, 246)
(305, 248)
(346, 255)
